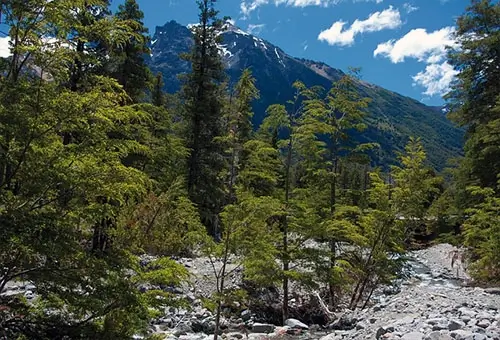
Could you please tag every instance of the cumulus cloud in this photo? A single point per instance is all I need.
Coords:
(255, 29)
(436, 78)
(4, 47)
(418, 44)
(426, 47)
(378, 21)
(248, 6)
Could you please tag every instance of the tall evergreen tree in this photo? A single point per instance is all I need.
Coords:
(238, 125)
(157, 95)
(414, 185)
(203, 97)
(475, 96)
(127, 60)
(334, 118)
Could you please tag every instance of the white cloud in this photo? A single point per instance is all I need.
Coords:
(429, 48)
(255, 29)
(248, 6)
(436, 78)
(409, 8)
(418, 44)
(378, 21)
(4, 47)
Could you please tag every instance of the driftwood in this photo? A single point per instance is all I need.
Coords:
(329, 314)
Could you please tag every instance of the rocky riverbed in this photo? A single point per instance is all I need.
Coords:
(432, 304)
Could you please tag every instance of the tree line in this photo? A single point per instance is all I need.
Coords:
(98, 166)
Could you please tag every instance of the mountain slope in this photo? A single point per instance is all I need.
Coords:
(392, 117)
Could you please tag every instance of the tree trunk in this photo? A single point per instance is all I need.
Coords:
(286, 259)
(332, 243)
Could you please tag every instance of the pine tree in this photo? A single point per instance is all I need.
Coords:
(157, 95)
(475, 96)
(203, 97)
(238, 124)
(127, 60)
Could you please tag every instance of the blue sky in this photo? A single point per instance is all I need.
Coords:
(399, 44)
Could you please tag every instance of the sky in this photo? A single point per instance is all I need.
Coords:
(398, 44)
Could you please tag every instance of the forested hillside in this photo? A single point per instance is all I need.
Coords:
(114, 193)
(391, 120)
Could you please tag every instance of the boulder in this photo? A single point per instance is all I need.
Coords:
(263, 328)
(294, 323)
(495, 290)
(413, 336)
(246, 315)
(453, 325)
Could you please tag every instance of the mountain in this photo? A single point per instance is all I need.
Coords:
(392, 117)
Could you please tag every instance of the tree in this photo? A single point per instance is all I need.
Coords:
(475, 96)
(414, 185)
(245, 239)
(482, 235)
(332, 119)
(127, 60)
(203, 97)
(285, 129)
(238, 124)
(377, 258)
(65, 183)
(157, 95)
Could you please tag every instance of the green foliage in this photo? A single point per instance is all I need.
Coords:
(482, 235)
(415, 189)
(127, 63)
(476, 93)
(203, 105)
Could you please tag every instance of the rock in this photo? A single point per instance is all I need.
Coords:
(263, 328)
(246, 315)
(294, 323)
(29, 294)
(182, 329)
(258, 336)
(413, 336)
(360, 325)
(484, 315)
(454, 325)
(495, 291)
(484, 323)
(461, 334)
(332, 336)
(383, 330)
(438, 336)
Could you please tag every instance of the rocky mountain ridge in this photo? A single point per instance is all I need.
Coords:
(392, 117)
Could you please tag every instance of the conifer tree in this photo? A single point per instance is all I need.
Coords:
(203, 98)
(414, 185)
(238, 124)
(157, 95)
(476, 93)
(127, 60)
(334, 117)
(297, 217)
